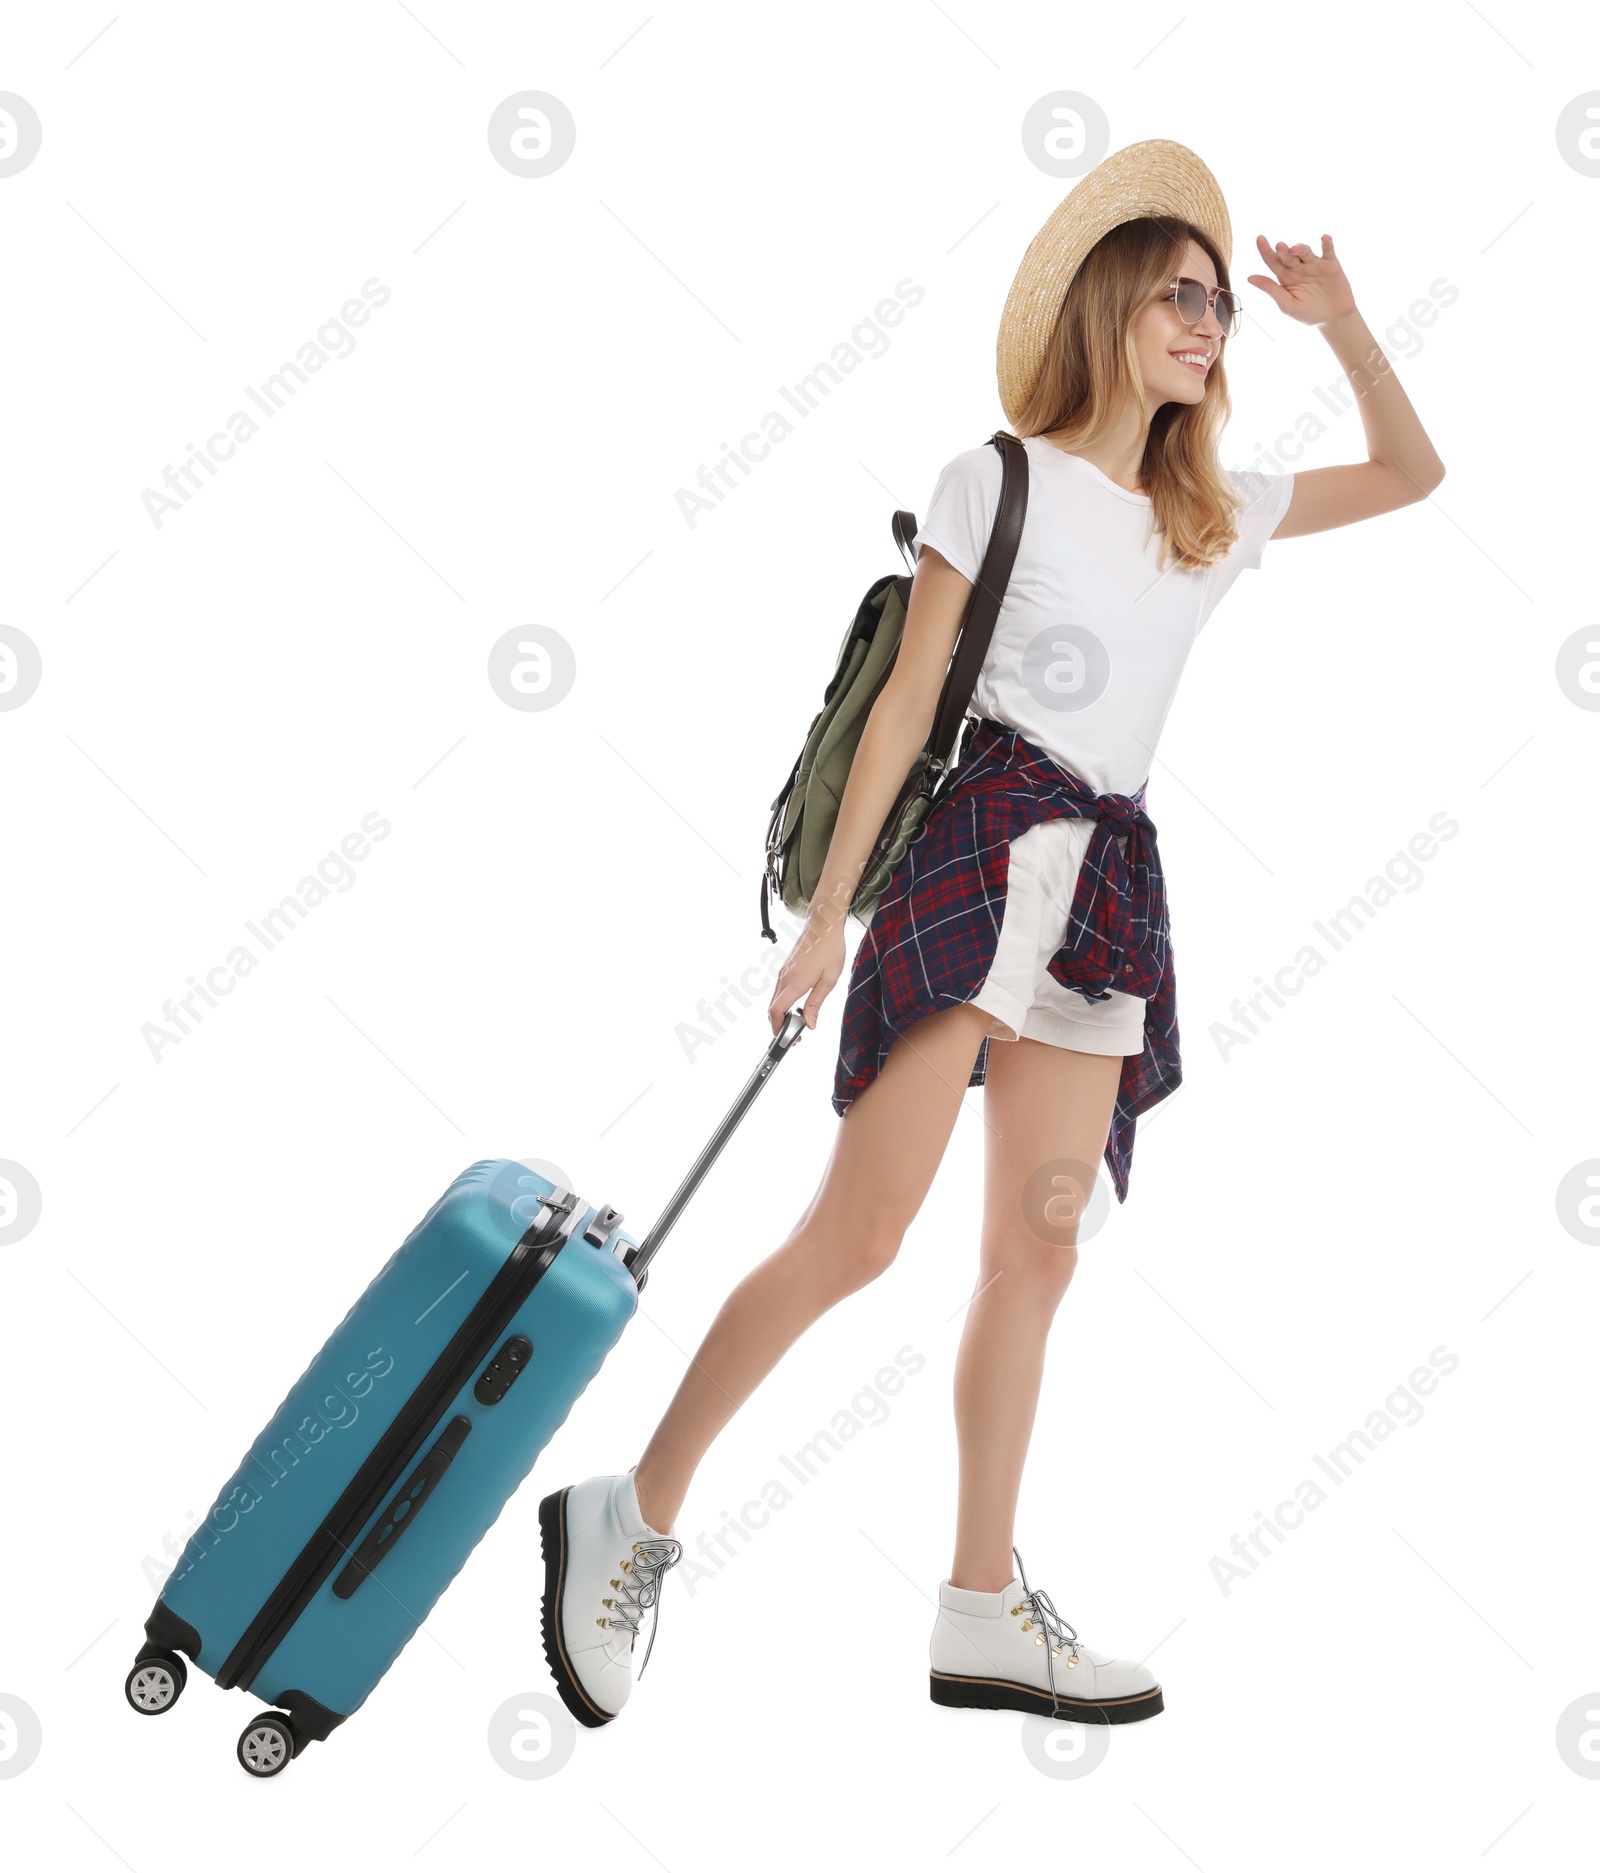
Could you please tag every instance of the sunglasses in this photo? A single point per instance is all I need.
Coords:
(1192, 298)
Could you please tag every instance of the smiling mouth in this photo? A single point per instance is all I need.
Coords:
(1196, 360)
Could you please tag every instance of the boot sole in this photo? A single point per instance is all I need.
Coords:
(553, 1542)
(957, 1693)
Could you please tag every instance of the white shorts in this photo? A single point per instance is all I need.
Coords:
(1019, 992)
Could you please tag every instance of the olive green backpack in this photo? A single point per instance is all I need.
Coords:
(807, 805)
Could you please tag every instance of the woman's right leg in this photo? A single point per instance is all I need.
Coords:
(885, 1153)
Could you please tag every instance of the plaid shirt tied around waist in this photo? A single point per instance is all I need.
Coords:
(931, 942)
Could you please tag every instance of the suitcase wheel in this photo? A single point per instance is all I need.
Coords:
(267, 1745)
(156, 1683)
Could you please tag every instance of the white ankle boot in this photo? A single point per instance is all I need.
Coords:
(603, 1568)
(1013, 1651)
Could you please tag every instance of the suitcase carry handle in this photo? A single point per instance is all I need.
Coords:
(794, 1025)
(402, 1512)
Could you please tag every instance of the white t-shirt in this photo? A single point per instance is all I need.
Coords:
(1092, 637)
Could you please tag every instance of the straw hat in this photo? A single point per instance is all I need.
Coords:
(1153, 178)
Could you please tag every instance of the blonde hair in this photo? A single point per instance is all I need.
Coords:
(1090, 366)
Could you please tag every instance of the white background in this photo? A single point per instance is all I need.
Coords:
(225, 696)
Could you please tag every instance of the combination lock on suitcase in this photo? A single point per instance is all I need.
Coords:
(400, 1444)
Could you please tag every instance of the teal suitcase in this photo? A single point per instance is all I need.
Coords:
(399, 1445)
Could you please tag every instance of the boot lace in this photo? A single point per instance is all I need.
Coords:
(640, 1586)
(1054, 1631)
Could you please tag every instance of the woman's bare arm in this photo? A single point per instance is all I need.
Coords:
(1402, 466)
(896, 730)
(895, 733)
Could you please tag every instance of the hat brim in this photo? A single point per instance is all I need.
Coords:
(1157, 177)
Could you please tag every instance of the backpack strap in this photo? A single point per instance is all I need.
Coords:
(769, 869)
(983, 606)
(977, 629)
(905, 532)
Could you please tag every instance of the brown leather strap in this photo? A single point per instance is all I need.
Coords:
(983, 606)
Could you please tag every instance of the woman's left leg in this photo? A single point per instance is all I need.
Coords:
(1048, 1111)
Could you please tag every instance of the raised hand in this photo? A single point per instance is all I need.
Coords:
(1309, 287)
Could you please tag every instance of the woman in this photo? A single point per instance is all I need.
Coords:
(1035, 886)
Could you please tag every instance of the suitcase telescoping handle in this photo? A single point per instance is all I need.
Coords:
(794, 1025)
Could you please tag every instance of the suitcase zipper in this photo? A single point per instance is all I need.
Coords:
(416, 1421)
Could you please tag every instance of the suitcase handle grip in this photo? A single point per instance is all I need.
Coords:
(402, 1511)
(794, 1025)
